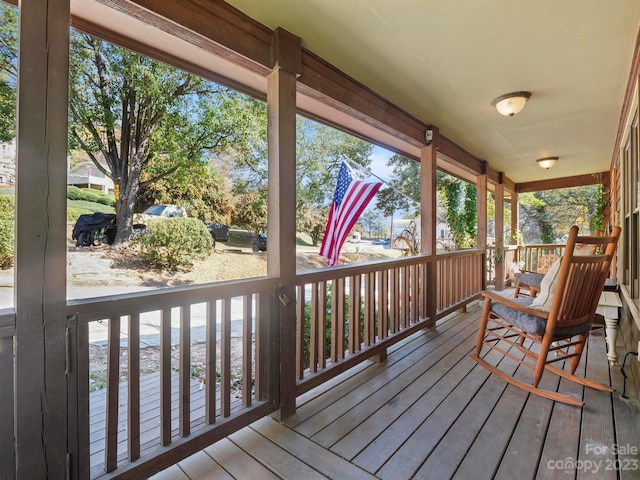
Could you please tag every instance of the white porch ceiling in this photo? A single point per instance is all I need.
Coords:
(444, 62)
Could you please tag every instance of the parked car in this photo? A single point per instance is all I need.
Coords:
(155, 211)
(381, 241)
(260, 243)
(219, 231)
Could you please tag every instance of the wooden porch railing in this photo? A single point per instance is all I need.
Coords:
(240, 305)
(538, 258)
(348, 314)
(506, 263)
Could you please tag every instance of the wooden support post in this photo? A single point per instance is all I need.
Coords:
(41, 428)
(281, 258)
(515, 218)
(428, 201)
(499, 233)
(481, 208)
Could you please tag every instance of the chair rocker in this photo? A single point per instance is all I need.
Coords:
(557, 322)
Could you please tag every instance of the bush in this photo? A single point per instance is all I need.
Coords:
(90, 195)
(173, 243)
(7, 220)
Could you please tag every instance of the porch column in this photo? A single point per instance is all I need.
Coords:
(481, 215)
(515, 218)
(281, 254)
(428, 234)
(499, 232)
(40, 257)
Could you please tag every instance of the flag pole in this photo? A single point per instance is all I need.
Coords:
(355, 165)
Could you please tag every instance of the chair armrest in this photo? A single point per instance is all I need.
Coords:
(495, 297)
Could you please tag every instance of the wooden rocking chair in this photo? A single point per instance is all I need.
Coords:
(558, 320)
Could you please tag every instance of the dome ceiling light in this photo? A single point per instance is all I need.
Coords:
(511, 103)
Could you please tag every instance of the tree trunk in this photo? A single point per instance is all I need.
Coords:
(124, 209)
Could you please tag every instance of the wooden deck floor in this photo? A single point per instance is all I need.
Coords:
(430, 412)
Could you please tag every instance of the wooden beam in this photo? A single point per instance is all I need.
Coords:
(322, 81)
(460, 157)
(238, 37)
(40, 267)
(563, 182)
(281, 259)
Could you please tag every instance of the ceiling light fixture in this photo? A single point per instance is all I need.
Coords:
(547, 162)
(511, 103)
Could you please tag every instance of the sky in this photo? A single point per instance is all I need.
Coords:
(378, 166)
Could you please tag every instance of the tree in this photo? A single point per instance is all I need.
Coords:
(198, 188)
(319, 152)
(404, 193)
(373, 222)
(250, 210)
(8, 71)
(547, 215)
(132, 114)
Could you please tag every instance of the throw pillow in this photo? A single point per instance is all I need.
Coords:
(547, 288)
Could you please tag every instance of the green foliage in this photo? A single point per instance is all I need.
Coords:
(406, 185)
(545, 216)
(8, 71)
(197, 188)
(250, 211)
(7, 220)
(328, 332)
(174, 243)
(597, 219)
(90, 195)
(459, 200)
(150, 122)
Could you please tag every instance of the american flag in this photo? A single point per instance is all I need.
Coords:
(351, 197)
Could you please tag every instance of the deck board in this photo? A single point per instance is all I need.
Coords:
(431, 412)
(237, 462)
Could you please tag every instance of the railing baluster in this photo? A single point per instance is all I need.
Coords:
(262, 345)
(368, 311)
(210, 368)
(415, 293)
(185, 371)
(313, 334)
(406, 295)
(247, 344)
(383, 316)
(395, 300)
(300, 332)
(225, 360)
(322, 324)
(356, 296)
(165, 377)
(133, 392)
(113, 384)
(340, 317)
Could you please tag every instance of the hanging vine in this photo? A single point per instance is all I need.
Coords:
(459, 201)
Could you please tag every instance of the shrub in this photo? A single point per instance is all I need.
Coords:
(90, 195)
(7, 216)
(173, 243)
